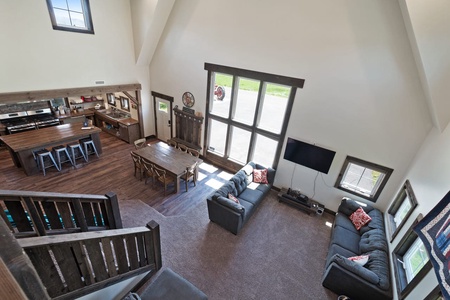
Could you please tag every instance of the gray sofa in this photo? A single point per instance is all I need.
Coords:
(231, 215)
(345, 277)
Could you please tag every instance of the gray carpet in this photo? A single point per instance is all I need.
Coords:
(280, 253)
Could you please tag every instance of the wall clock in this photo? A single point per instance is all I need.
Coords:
(188, 99)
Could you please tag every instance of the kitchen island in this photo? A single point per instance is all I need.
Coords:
(21, 145)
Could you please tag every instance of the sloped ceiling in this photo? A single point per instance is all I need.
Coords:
(428, 26)
(149, 18)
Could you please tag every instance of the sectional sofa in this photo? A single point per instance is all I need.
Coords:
(346, 276)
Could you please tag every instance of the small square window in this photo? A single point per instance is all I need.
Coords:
(362, 178)
(71, 15)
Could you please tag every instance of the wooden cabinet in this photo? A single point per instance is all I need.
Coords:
(126, 130)
(188, 129)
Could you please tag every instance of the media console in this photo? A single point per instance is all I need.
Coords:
(309, 206)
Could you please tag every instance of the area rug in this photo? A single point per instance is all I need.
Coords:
(279, 254)
(434, 231)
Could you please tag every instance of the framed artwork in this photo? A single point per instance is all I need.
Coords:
(111, 99)
(125, 103)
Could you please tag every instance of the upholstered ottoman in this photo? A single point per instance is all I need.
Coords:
(171, 286)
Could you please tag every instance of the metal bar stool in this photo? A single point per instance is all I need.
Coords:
(75, 151)
(44, 160)
(89, 147)
(61, 155)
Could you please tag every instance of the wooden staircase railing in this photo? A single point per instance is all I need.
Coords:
(30, 214)
(73, 265)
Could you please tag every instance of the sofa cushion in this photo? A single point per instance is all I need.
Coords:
(360, 218)
(224, 190)
(374, 239)
(346, 239)
(336, 249)
(248, 209)
(240, 181)
(376, 222)
(379, 264)
(343, 221)
(253, 196)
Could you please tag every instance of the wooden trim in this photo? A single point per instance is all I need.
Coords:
(285, 80)
(62, 93)
(20, 265)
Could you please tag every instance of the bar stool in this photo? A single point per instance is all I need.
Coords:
(89, 147)
(42, 156)
(61, 155)
(75, 151)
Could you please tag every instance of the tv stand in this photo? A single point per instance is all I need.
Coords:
(311, 206)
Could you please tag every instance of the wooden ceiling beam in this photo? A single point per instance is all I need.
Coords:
(15, 97)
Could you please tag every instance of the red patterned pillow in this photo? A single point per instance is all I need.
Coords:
(232, 197)
(360, 218)
(360, 260)
(260, 176)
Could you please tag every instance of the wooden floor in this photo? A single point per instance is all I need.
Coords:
(112, 171)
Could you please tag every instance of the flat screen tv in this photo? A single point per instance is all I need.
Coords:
(308, 155)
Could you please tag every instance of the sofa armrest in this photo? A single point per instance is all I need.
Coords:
(231, 204)
(344, 282)
(225, 216)
(355, 268)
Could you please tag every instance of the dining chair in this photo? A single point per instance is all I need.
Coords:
(172, 143)
(191, 172)
(183, 148)
(140, 143)
(148, 170)
(193, 152)
(161, 176)
(137, 164)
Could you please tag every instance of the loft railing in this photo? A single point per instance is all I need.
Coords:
(30, 214)
(73, 265)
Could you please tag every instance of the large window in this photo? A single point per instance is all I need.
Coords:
(411, 262)
(401, 209)
(71, 15)
(363, 178)
(247, 115)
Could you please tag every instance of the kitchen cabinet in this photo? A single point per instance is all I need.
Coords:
(125, 129)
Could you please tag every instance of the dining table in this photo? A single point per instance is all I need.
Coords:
(169, 158)
(22, 145)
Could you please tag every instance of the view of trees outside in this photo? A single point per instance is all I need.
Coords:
(270, 118)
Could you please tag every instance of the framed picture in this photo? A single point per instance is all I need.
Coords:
(111, 99)
(125, 103)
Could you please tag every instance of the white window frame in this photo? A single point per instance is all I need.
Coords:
(410, 253)
(86, 11)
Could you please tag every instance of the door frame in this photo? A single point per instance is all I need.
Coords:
(167, 98)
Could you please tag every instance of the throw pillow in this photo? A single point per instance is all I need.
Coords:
(360, 218)
(232, 197)
(260, 176)
(360, 260)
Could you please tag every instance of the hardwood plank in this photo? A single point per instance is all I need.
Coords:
(112, 172)
(96, 258)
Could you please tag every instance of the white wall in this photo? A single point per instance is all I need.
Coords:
(429, 174)
(362, 95)
(33, 56)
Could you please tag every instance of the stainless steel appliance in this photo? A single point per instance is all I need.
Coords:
(28, 120)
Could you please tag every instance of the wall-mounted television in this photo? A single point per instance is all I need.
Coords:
(308, 155)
